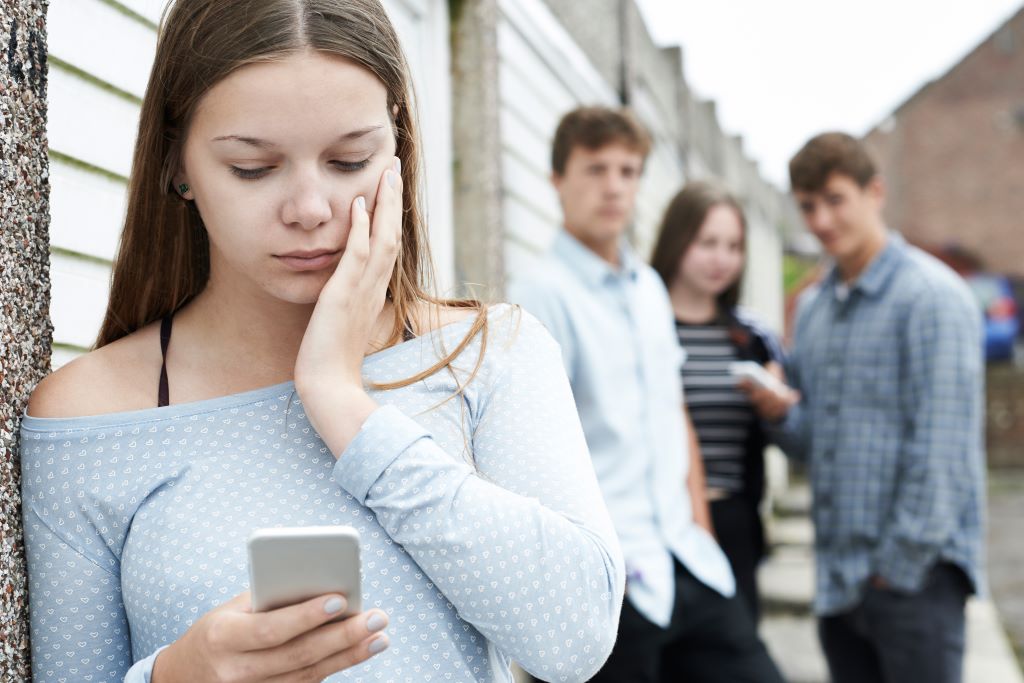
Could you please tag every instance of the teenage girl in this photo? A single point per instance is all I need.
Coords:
(270, 357)
(700, 254)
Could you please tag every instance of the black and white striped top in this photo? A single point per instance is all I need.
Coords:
(721, 413)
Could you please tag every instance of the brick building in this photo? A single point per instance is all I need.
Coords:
(953, 155)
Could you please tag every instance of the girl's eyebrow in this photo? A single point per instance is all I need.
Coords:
(265, 144)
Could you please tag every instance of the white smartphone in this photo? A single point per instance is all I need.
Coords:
(748, 369)
(291, 564)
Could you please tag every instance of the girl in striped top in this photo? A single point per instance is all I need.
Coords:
(700, 255)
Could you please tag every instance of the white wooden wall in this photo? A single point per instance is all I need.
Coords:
(663, 173)
(100, 55)
(762, 285)
(542, 74)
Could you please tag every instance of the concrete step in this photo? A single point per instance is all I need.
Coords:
(793, 643)
(791, 531)
(989, 655)
(793, 502)
(786, 581)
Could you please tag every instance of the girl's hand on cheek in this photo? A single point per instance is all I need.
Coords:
(328, 369)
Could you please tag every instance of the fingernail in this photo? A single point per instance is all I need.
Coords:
(376, 622)
(378, 645)
(361, 202)
(392, 178)
(398, 165)
(334, 605)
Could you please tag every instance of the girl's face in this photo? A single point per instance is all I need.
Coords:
(714, 260)
(275, 155)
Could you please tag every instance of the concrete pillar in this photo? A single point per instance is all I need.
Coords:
(476, 139)
(25, 329)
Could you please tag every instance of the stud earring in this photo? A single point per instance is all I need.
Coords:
(183, 188)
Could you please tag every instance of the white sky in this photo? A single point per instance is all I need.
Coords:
(784, 70)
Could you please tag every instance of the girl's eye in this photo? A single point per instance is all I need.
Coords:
(250, 173)
(351, 166)
(255, 173)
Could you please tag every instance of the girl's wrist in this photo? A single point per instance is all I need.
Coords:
(337, 413)
(164, 666)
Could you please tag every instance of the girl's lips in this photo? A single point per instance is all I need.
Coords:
(306, 263)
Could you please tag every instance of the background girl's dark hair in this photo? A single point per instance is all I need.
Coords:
(680, 226)
(163, 257)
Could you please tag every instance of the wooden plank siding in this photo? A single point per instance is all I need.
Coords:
(95, 91)
(542, 74)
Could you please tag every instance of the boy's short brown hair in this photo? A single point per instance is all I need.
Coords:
(593, 128)
(830, 153)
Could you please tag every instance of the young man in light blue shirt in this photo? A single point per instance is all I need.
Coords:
(610, 313)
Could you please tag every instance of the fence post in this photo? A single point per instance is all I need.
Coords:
(476, 141)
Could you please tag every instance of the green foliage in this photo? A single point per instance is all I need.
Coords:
(794, 269)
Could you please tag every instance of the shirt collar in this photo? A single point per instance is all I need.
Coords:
(878, 272)
(590, 267)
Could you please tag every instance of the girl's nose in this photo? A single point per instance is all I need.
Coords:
(308, 205)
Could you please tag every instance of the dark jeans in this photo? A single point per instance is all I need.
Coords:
(892, 637)
(740, 533)
(710, 639)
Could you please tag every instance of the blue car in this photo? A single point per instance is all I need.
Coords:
(995, 296)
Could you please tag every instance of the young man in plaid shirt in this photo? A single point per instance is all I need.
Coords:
(887, 409)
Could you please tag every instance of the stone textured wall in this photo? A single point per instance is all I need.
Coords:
(25, 330)
(1005, 414)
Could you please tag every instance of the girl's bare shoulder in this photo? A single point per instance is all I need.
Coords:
(428, 317)
(123, 375)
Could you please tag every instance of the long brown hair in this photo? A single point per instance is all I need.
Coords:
(680, 226)
(163, 258)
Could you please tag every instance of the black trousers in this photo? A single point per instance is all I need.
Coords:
(711, 639)
(741, 535)
(892, 637)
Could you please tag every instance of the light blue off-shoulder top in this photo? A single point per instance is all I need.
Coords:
(485, 537)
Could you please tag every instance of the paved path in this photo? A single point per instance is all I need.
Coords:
(1006, 551)
(787, 584)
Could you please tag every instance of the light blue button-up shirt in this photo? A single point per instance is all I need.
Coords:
(623, 359)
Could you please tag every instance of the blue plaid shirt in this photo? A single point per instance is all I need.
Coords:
(892, 373)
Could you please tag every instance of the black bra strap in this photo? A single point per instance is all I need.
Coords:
(164, 396)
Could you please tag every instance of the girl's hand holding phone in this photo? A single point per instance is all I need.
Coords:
(770, 403)
(296, 643)
(328, 370)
